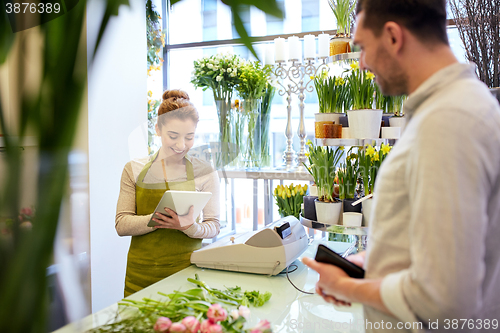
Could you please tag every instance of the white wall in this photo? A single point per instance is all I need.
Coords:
(117, 105)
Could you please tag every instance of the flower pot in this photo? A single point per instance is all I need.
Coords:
(398, 122)
(310, 207)
(352, 219)
(339, 45)
(343, 120)
(364, 124)
(391, 132)
(346, 134)
(328, 212)
(320, 119)
(348, 207)
(313, 190)
(367, 210)
(386, 119)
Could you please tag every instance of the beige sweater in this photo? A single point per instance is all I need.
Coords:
(127, 223)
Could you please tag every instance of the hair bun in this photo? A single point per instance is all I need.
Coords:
(175, 94)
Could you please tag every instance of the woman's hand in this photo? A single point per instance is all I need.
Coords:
(174, 222)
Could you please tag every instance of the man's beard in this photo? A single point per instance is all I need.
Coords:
(393, 81)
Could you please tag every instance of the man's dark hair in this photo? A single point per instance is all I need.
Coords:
(426, 19)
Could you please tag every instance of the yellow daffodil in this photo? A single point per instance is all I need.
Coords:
(376, 157)
(309, 143)
(341, 148)
(385, 149)
(370, 151)
(370, 75)
(150, 93)
(355, 66)
(307, 154)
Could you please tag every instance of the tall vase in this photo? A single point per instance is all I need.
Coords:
(238, 125)
(265, 142)
(224, 155)
(251, 110)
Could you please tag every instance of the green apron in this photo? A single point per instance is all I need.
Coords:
(163, 252)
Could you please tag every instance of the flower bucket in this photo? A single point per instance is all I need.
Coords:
(364, 124)
(367, 210)
(398, 122)
(328, 212)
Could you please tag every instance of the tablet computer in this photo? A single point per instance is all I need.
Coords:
(180, 202)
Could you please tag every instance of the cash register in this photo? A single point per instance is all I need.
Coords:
(266, 251)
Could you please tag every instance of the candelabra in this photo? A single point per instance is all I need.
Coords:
(296, 75)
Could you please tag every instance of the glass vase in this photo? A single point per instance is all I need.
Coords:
(225, 154)
(252, 137)
(265, 142)
(238, 123)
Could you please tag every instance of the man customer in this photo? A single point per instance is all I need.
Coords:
(432, 260)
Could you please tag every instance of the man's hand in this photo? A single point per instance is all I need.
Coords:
(358, 259)
(174, 222)
(331, 281)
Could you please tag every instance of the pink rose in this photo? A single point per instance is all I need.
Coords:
(162, 324)
(217, 313)
(177, 328)
(215, 328)
(262, 327)
(26, 211)
(244, 311)
(192, 324)
(205, 325)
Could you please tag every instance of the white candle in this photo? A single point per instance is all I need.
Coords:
(279, 49)
(269, 58)
(323, 45)
(294, 48)
(309, 46)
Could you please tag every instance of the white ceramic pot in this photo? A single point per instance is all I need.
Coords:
(352, 219)
(346, 133)
(366, 210)
(391, 132)
(398, 122)
(328, 117)
(313, 190)
(328, 212)
(364, 124)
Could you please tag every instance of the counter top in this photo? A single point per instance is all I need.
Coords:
(288, 310)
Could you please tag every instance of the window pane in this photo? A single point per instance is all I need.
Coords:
(193, 21)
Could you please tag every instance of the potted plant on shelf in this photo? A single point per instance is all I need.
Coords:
(398, 117)
(322, 164)
(289, 199)
(251, 87)
(364, 121)
(333, 97)
(370, 161)
(341, 42)
(478, 26)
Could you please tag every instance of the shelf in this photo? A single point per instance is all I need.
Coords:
(338, 229)
(354, 142)
(343, 56)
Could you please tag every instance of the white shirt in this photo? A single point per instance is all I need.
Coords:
(435, 228)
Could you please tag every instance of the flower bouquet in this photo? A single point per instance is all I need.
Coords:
(289, 199)
(199, 310)
(220, 73)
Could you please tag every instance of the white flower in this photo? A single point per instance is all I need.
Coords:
(244, 311)
(222, 70)
(219, 78)
(229, 70)
(216, 67)
(235, 314)
(210, 66)
(216, 61)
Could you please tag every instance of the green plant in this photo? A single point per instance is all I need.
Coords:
(322, 164)
(265, 116)
(347, 176)
(361, 86)
(289, 199)
(333, 93)
(389, 104)
(253, 79)
(342, 9)
(155, 37)
(370, 161)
